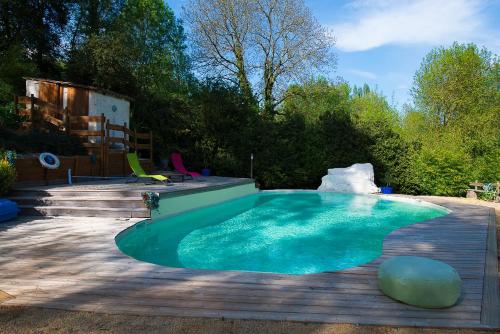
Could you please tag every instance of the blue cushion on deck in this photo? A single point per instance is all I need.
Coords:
(8, 210)
(419, 281)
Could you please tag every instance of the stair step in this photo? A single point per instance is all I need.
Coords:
(94, 201)
(73, 193)
(29, 210)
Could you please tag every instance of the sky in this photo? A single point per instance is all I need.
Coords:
(383, 42)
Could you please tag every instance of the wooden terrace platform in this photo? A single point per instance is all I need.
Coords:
(120, 185)
(107, 198)
(74, 264)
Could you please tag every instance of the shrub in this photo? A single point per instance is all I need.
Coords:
(8, 118)
(7, 176)
(489, 193)
(442, 171)
(36, 142)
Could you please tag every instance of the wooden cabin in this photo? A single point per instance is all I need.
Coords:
(82, 100)
(99, 117)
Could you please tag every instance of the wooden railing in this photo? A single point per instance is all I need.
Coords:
(142, 141)
(111, 142)
(92, 140)
(39, 110)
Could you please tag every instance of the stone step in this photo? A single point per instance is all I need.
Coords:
(72, 193)
(92, 202)
(29, 210)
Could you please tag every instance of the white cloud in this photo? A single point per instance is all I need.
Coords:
(377, 23)
(362, 74)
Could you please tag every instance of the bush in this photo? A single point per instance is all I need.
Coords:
(36, 142)
(7, 176)
(489, 193)
(442, 171)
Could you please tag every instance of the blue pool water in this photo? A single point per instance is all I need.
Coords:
(280, 232)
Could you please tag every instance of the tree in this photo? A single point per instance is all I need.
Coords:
(315, 97)
(140, 52)
(90, 18)
(221, 36)
(373, 113)
(456, 84)
(272, 41)
(455, 123)
(37, 26)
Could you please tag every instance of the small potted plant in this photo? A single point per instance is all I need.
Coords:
(387, 179)
(209, 150)
(205, 171)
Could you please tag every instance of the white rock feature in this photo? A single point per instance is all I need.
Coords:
(358, 178)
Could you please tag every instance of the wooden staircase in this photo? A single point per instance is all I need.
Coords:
(82, 203)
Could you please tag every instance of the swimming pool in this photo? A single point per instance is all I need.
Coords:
(297, 232)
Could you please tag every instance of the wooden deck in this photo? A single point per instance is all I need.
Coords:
(107, 198)
(73, 264)
(120, 185)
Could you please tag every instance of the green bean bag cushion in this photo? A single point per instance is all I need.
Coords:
(419, 281)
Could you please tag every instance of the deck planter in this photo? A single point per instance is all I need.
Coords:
(8, 210)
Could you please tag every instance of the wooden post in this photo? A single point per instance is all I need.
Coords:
(125, 148)
(103, 138)
(126, 137)
(58, 96)
(107, 147)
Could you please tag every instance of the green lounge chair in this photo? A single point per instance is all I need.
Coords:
(139, 173)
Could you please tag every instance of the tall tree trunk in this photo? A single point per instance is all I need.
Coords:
(269, 80)
(268, 100)
(245, 87)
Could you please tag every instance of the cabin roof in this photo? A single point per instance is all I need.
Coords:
(93, 88)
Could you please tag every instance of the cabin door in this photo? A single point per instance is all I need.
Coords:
(77, 101)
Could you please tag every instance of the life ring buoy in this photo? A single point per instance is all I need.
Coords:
(49, 160)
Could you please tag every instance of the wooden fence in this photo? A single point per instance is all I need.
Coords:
(127, 141)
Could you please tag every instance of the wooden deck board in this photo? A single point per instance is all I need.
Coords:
(73, 264)
(490, 311)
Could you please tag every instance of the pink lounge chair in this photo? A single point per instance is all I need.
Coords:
(176, 159)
